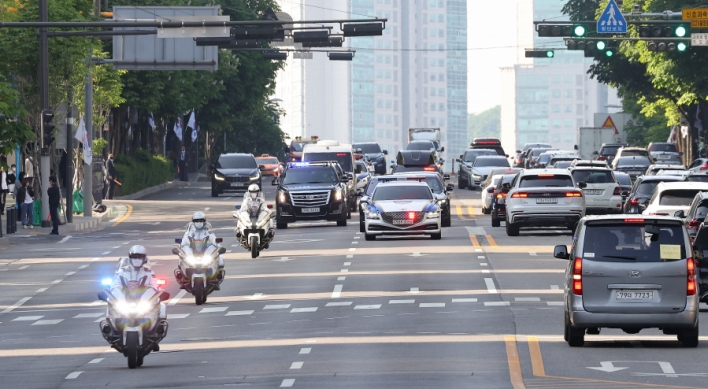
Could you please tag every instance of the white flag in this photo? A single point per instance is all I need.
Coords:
(192, 121)
(151, 121)
(178, 129)
(130, 130)
(82, 136)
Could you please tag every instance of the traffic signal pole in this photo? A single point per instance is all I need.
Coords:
(44, 165)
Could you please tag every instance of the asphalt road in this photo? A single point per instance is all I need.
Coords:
(323, 308)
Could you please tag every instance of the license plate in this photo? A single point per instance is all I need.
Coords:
(634, 295)
(595, 192)
(635, 172)
(237, 184)
(547, 201)
(310, 210)
(399, 222)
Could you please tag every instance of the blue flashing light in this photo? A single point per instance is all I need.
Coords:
(298, 164)
(107, 281)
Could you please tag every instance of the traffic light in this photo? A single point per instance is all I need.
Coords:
(47, 128)
(556, 30)
(665, 31)
(540, 54)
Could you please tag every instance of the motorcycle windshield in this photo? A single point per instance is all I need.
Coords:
(199, 246)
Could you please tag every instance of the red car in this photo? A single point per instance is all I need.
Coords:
(269, 166)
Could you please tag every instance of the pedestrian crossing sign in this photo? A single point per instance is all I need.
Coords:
(611, 21)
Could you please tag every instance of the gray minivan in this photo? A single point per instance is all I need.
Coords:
(630, 273)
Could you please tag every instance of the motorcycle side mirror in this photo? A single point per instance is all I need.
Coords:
(270, 206)
(222, 250)
(219, 240)
(175, 251)
(238, 207)
(178, 241)
(102, 296)
(582, 185)
(164, 296)
(442, 149)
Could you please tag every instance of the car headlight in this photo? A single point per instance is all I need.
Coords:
(254, 176)
(282, 197)
(476, 176)
(432, 215)
(372, 215)
(337, 194)
(219, 177)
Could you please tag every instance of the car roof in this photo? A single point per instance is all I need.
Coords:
(402, 183)
(632, 148)
(366, 143)
(421, 141)
(481, 150)
(491, 157)
(682, 185)
(628, 216)
(535, 172)
(666, 165)
(234, 154)
(659, 178)
(601, 168)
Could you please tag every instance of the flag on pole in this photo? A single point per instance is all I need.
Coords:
(178, 129)
(151, 121)
(82, 136)
(130, 130)
(192, 123)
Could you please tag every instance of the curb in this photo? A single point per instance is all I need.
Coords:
(154, 189)
(91, 222)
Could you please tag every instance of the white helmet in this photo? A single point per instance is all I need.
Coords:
(137, 256)
(254, 191)
(199, 220)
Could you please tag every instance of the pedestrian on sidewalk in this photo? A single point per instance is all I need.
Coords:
(183, 163)
(111, 176)
(3, 189)
(11, 178)
(54, 199)
(25, 196)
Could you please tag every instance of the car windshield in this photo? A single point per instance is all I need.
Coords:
(434, 184)
(629, 242)
(487, 162)
(310, 175)
(267, 161)
(368, 148)
(426, 145)
(344, 159)
(677, 197)
(298, 146)
(360, 167)
(609, 150)
(593, 176)
(507, 179)
(471, 155)
(543, 158)
(236, 162)
(370, 188)
(402, 192)
(663, 147)
(623, 179)
(562, 164)
(546, 181)
(633, 161)
(698, 178)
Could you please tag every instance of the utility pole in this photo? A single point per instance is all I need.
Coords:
(69, 181)
(44, 105)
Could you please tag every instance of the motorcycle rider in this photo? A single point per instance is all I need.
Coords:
(200, 238)
(134, 268)
(254, 197)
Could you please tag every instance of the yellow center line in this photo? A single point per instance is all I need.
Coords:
(124, 217)
(491, 240)
(459, 212)
(471, 210)
(512, 355)
(475, 242)
(536, 358)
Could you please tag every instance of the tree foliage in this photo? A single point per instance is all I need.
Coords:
(484, 124)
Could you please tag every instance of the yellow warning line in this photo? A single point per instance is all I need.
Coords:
(474, 241)
(512, 355)
(459, 212)
(124, 217)
(471, 210)
(536, 358)
(491, 240)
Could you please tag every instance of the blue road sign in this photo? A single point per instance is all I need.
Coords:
(611, 21)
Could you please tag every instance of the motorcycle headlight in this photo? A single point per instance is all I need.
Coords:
(337, 194)
(282, 196)
(142, 308)
(432, 215)
(443, 202)
(219, 177)
(122, 307)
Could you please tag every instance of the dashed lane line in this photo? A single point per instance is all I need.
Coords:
(303, 310)
(239, 313)
(73, 375)
(305, 350)
(296, 365)
(339, 304)
(175, 299)
(66, 238)
(490, 285)
(401, 302)
(337, 291)
(15, 305)
(287, 383)
(96, 360)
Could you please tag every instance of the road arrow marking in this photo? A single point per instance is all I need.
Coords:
(607, 366)
(666, 368)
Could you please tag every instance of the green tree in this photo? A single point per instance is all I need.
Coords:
(14, 130)
(486, 124)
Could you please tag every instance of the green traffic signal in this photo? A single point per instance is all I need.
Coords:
(601, 45)
(609, 53)
(579, 30)
(550, 53)
(680, 31)
(681, 46)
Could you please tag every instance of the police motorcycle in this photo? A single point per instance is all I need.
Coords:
(136, 317)
(255, 228)
(200, 270)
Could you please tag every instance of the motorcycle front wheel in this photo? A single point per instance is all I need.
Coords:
(131, 345)
(199, 295)
(254, 247)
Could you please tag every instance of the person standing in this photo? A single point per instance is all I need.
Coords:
(11, 178)
(183, 163)
(54, 199)
(111, 176)
(25, 197)
(3, 189)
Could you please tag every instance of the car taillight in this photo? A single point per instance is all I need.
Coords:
(705, 166)
(573, 194)
(161, 281)
(490, 190)
(634, 201)
(601, 158)
(617, 192)
(519, 195)
(694, 223)
(501, 195)
(578, 276)
(691, 271)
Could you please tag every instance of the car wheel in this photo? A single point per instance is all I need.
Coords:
(361, 223)
(486, 211)
(437, 236)
(495, 221)
(280, 225)
(575, 336)
(689, 338)
(214, 192)
(446, 221)
(511, 230)
(369, 237)
(461, 184)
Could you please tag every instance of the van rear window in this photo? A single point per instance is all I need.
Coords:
(630, 242)
(551, 181)
(677, 197)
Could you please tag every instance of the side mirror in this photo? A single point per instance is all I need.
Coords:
(238, 207)
(490, 189)
(582, 185)
(219, 240)
(561, 252)
(595, 152)
(175, 251)
(506, 155)
(446, 176)
(364, 199)
(222, 250)
(449, 188)
(679, 214)
(458, 160)
(178, 241)
(518, 151)
(575, 147)
(442, 149)
(102, 296)
(164, 296)
(360, 193)
(350, 176)
(385, 152)
(261, 167)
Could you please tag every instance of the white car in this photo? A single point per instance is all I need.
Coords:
(602, 193)
(487, 194)
(544, 198)
(402, 208)
(670, 197)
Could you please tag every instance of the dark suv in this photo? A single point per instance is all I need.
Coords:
(607, 152)
(234, 173)
(373, 151)
(312, 191)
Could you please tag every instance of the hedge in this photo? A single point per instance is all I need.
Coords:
(142, 172)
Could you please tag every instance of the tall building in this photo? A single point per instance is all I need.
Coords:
(415, 75)
(546, 100)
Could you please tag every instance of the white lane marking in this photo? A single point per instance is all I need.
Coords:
(87, 315)
(483, 264)
(83, 267)
(206, 209)
(531, 253)
(478, 250)
(471, 300)
(214, 309)
(47, 322)
(296, 365)
(71, 273)
(401, 301)
(277, 306)
(432, 305)
(357, 237)
(480, 257)
(303, 310)
(97, 360)
(414, 290)
(40, 290)
(116, 247)
(27, 318)
(73, 375)
(373, 306)
(337, 291)
(554, 287)
(341, 278)
(344, 271)
(283, 259)
(15, 305)
(339, 304)
(527, 299)
(175, 299)
(355, 242)
(496, 303)
(554, 303)
(23, 267)
(65, 239)
(177, 315)
(350, 256)
(238, 313)
(255, 296)
(56, 282)
(96, 259)
(305, 350)
(287, 383)
(106, 253)
(490, 285)
(485, 271)
(347, 263)
(352, 249)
